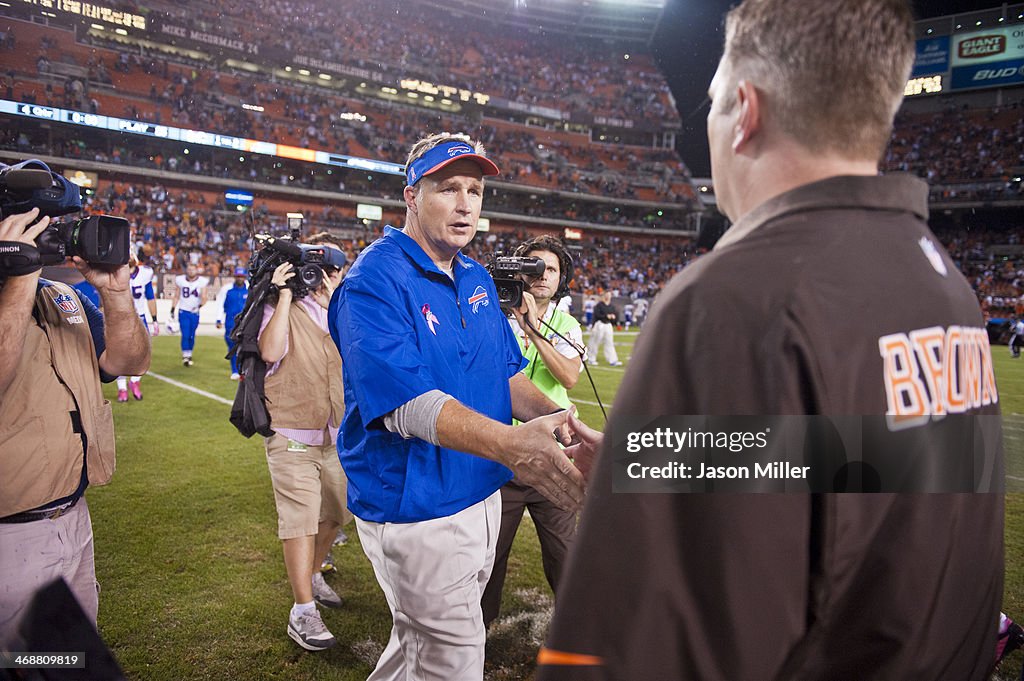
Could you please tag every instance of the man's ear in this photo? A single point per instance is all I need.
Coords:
(410, 194)
(748, 120)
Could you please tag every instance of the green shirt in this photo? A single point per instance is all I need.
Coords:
(536, 370)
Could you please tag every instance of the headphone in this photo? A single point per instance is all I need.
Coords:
(546, 242)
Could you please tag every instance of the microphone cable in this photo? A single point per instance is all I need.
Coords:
(581, 351)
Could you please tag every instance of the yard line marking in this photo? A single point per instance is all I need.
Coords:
(186, 386)
(620, 369)
(1014, 477)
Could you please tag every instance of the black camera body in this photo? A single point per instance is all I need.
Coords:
(508, 272)
(308, 260)
(97, 239)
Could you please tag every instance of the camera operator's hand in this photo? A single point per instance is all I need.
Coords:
(17, 294)
(322, 295)
(526, 314)
(20, 227)
(116, 281)
(23, 228)
(282, 274)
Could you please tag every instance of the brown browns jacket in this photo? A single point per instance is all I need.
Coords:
(785, 317)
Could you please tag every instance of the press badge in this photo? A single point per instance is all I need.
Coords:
(294, 446)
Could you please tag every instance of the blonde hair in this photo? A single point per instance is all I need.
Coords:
(833, 73)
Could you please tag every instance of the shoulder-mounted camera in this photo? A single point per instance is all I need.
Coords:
(308, 260)
(508, 272)
(97, 239)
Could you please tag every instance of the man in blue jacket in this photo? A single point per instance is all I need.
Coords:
(432, 381)
(232, 301)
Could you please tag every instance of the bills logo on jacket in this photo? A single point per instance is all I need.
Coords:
(478, 298)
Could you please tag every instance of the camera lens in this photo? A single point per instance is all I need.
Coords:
(310, 276)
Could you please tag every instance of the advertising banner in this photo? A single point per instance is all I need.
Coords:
(989, 74)
(989, 46)
(932, 57)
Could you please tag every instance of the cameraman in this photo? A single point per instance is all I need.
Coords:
(56, 429)
(306, 402)
(554, 365)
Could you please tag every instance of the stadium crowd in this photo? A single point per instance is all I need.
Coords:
(198, 96)
(176, 227)
(526, 68)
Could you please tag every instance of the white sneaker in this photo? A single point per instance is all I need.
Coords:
(310, 632)
(234, 377)
(324, 594)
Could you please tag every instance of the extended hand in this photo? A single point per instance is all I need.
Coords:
(588, 444)
(538, 461)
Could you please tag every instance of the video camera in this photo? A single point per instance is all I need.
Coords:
(307, 259)
(97, 239)
(507, 272)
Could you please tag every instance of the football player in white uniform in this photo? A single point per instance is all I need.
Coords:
(191, 296)
(145, 306)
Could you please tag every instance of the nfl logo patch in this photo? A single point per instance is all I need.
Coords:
(66, 302)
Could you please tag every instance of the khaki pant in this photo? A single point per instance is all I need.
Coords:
(34, 554)
(309, 486)
(433, 573)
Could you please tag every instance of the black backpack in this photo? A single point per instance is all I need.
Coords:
(249, 412)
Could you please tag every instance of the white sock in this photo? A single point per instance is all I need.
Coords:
(122, 383)
(136, 379)
(300, 609)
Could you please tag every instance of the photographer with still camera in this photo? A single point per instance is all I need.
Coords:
(306, 403)
(551, 342)
(56, 429)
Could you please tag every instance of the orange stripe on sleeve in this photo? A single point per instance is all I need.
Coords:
(559, 657)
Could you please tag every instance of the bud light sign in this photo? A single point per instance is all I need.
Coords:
(990, 74)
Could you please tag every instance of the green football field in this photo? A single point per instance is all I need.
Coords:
(193, 583)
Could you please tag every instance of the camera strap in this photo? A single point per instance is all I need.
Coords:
(18, 258)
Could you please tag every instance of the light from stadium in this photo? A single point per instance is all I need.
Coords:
(928, 85)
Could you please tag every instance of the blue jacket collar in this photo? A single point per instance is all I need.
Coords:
(419, 256)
